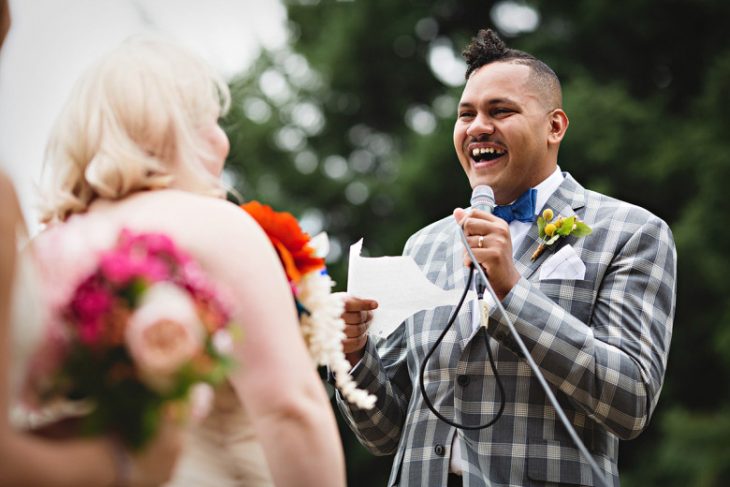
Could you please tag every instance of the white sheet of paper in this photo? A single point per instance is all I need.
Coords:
(399, 287)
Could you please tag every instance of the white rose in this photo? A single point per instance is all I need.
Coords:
(163, 334)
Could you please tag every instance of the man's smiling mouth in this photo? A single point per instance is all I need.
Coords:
(486, 154)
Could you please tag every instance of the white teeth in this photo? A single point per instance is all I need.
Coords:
(485, 150)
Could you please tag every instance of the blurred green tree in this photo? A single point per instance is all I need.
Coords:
(349, 128)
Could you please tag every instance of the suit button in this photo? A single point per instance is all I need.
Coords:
(463, 380)
(439, 449)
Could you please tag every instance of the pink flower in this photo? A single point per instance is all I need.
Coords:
(88, 307)
(158, 245)
(155, 243)
(121, 267)
(117, 267)
(163, 334)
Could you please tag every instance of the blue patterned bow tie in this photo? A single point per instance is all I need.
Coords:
(523, 209)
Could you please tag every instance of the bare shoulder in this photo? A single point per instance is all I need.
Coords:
(217, 232)
(183, 203)
(211, 228)
(194, 213)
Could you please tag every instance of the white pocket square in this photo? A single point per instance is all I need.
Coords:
(564, 264)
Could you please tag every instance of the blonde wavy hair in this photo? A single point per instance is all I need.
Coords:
(132, 115)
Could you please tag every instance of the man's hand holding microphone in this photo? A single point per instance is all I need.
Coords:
(489, 239)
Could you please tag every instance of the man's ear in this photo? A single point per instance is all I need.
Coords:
(558, 125)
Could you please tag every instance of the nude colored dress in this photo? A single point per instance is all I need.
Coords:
(223, 451)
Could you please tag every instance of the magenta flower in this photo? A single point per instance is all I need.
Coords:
(117, 268)
(90, 331)
(91, 301)
(120, 268)
(153, 269)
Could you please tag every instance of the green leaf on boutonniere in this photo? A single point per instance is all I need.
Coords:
(581, 230)
(566, 226)
(541, 226)
(560, 227)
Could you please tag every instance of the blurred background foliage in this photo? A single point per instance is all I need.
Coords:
(349, 128)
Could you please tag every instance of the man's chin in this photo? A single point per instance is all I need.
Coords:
(481, 181)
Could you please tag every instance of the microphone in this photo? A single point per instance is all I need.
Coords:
(482, 198)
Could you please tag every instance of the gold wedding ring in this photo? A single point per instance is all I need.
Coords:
(480, 241)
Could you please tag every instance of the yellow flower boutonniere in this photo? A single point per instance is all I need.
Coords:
(550, 231)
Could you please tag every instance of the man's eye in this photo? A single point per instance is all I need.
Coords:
(466, 115)
(501, 111)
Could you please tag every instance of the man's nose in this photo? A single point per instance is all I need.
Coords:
(480, 125)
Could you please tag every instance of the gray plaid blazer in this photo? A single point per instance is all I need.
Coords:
(601, 342)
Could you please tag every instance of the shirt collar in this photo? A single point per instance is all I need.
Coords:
(546, 189)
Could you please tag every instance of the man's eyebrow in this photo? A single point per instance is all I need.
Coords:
(491, 101)
(503, 100)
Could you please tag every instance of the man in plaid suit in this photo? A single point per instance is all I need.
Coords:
(595, 312)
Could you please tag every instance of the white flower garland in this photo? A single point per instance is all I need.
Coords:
(323, 331)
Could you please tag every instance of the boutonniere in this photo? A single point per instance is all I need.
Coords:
(550, 231)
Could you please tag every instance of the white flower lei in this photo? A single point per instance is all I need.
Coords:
(323, 331)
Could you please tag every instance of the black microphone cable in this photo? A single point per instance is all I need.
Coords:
(422, 371)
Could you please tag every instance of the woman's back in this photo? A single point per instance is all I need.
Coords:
(225, 448)
(230, 247)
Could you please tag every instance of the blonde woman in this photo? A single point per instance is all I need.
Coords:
(138, 146)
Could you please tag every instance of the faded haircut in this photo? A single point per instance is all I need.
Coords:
(487, 48)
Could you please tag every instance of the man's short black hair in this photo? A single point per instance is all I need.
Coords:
(487, 48)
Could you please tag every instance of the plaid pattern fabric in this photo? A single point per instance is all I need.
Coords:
(601, 342)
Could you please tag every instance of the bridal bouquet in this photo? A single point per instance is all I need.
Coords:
(144, 334)
(319, 310)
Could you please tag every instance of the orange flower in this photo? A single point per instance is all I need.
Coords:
(291, 243)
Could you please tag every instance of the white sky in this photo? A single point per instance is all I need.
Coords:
(52, 41)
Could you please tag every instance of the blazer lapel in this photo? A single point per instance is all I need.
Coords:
(565, 201)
